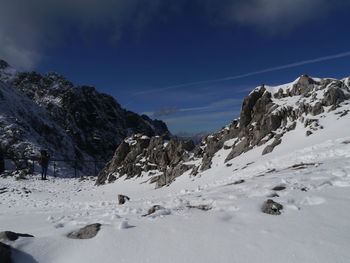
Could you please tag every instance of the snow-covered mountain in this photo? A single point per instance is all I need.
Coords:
(268, 115)
(72, 122)
(233, 199)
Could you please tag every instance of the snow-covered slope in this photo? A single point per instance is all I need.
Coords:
(213, 216)
(313, 226)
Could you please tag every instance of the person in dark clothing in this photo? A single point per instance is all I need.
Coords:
(44, 163)
(2, 161)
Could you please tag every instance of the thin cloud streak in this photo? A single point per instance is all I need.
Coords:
(291, 65)
(202, 117)
(171, 110)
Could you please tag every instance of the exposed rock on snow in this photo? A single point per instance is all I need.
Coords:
(237, 182)
(279, 188)
(86, 232)
(271, 207)
(153, 209)
(122, 199)
(201, 207)
(11, 236)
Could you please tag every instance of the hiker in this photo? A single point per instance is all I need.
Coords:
(44, 163)
(2, 161)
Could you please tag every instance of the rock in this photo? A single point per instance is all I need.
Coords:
(317, 109)
(248, 104)
(308, 133)
(140, 154)
(122, 199)
(270, 147)
(12, 236)
(5, 252)
(271, 207)
(334, 96)
(153, 209)
(86, 232)
(279, 188)
(171, 173)
(238, 149)
(237, 182)
(201, 207)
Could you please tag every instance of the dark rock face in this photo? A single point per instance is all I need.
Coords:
(86, 232)
(5, 252)
(72, 122)
(271, 207)
(12, 236)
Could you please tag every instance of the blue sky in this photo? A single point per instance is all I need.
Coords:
(146, 53)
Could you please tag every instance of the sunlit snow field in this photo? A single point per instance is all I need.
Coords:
(313, 226)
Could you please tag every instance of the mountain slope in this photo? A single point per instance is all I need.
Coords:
(268, 114)
(94, 123)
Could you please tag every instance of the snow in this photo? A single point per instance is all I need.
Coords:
(313, 226)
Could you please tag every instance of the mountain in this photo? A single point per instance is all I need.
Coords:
(305, 106)
(232, 204)
(72, 122)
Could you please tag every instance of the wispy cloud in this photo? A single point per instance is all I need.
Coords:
(252, 73)
(207, 117)
(214, 106)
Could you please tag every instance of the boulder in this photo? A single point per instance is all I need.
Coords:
(122, 199)
(86, 232)
(271, 207)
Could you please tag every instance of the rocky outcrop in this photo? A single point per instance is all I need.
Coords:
(263, 118)
(158, 156)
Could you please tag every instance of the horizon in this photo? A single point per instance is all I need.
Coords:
(188, 63)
